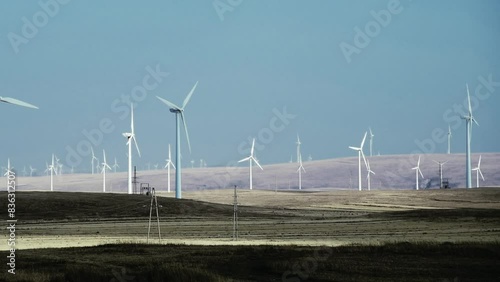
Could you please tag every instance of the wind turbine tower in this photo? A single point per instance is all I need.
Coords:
(417, 171)
(131, 138)
(469, 118)
(179, 116)
(167, 166)
(478, 172)
(103, 171)
(360, 154)
(251, 159)
(440, 173)
(299, 170)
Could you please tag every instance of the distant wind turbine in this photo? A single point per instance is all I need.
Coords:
(13, 101)
(32, 169)
(468, 127)
(478, 172)
(360, 154)
(369, 172)
(440, 172)
(93, 158)
(168, 165)
(417, 171)
(115, 166)
(52, 170)
(131, 138)
(103, 171)
(299, 170)
(299, 161)
(371, 142)
(179, 116)
(251, 159)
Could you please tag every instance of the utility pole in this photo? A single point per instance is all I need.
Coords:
(153, 198)
(235, 215)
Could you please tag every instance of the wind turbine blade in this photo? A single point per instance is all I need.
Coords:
(468, 99)
(13, 101)
(244, 160)
(418, 163)
(479, 163)
(136, 146)
(186, 130)
(420, 173)
(363, 142)
(255, 160)
(366, 163)
(481, 174)
(355, 148)
(170, 104)
(104, 156)
(189, 96)
(132, 131)
(253, 146)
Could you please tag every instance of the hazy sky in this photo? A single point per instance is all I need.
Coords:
(270, 69)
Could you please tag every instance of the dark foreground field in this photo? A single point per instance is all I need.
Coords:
(389, 262)
(439, 235)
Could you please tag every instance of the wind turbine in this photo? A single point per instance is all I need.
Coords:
(52, 170)
(360, 154)
(440, 172)
(368, 176)
(478, 172)
(168, 165)
(468, 127)
(93, 158)
(131, 137)
(298, 148)
(115, 166)
(103, 171)
(371, 142)
(32, 169)
(299, 170)
(179, 115)
(17, 102)
(449, 139)
(417, 171)
(251, 159)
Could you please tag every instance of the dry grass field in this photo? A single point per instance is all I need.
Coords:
(357, 226)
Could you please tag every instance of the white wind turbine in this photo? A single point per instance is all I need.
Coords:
(449, 139)
(168, 165)
(468, 127)
(32, 169)
(103, 171)
(251, 159)
(368, 176)
(13, 101)
(417, 171)
(52, 170)
(298, 148)
(440, 172)
(115, 166)
(131, 137)
(179, 116)
(93, 158)
(299, 170)
(360, 154)
(371, 142)
(478, 172)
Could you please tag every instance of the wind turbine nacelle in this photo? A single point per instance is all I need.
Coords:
(174, 110)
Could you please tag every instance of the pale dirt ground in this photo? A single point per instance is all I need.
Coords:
(314, 218)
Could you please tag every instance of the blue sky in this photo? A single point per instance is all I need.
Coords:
(251, 60)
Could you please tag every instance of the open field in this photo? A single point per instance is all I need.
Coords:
(435, 226)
